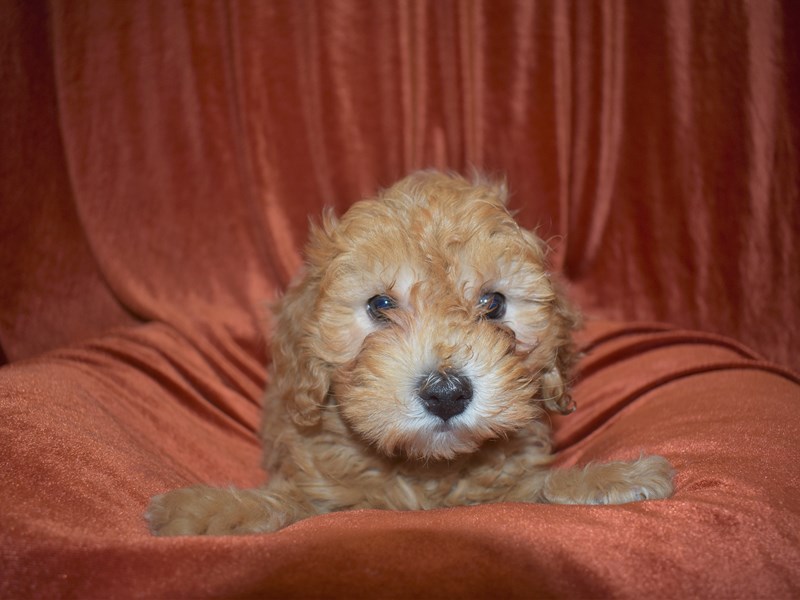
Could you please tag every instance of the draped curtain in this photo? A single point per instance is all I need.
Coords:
(161, 159)
(160, 162)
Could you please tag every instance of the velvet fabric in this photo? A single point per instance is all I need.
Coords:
(159, 165)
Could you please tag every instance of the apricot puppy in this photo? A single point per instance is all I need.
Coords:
(413, 363)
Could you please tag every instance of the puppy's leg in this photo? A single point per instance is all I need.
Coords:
(648, 478)
(203, 510)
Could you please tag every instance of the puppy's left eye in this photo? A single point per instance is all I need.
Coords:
(378, 305)
(492, 305)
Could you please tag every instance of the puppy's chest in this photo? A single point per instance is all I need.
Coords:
(334, 469)
(404, 485)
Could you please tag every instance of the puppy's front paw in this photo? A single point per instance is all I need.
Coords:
(649, 478)
(205, 510)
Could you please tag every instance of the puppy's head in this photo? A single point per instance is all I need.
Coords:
(427, 318)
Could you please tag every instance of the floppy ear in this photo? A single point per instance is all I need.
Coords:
(299, 377)
(555, 381)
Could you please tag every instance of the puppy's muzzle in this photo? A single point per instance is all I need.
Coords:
(445, 393)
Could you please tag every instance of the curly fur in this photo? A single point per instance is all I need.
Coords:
(344, 425)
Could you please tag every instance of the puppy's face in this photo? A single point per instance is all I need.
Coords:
(430, 316)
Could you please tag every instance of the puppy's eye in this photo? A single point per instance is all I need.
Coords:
(378, 305)
(492, 305)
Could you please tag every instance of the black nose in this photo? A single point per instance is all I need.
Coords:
(445, 394)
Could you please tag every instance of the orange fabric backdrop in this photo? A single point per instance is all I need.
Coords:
(161, 160)
(158, 166)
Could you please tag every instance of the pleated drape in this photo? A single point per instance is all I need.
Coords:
(180, 149)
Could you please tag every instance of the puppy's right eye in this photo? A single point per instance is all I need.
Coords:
(378, 305)
(493, 305)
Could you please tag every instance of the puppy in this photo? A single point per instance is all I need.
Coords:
(413, 365)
